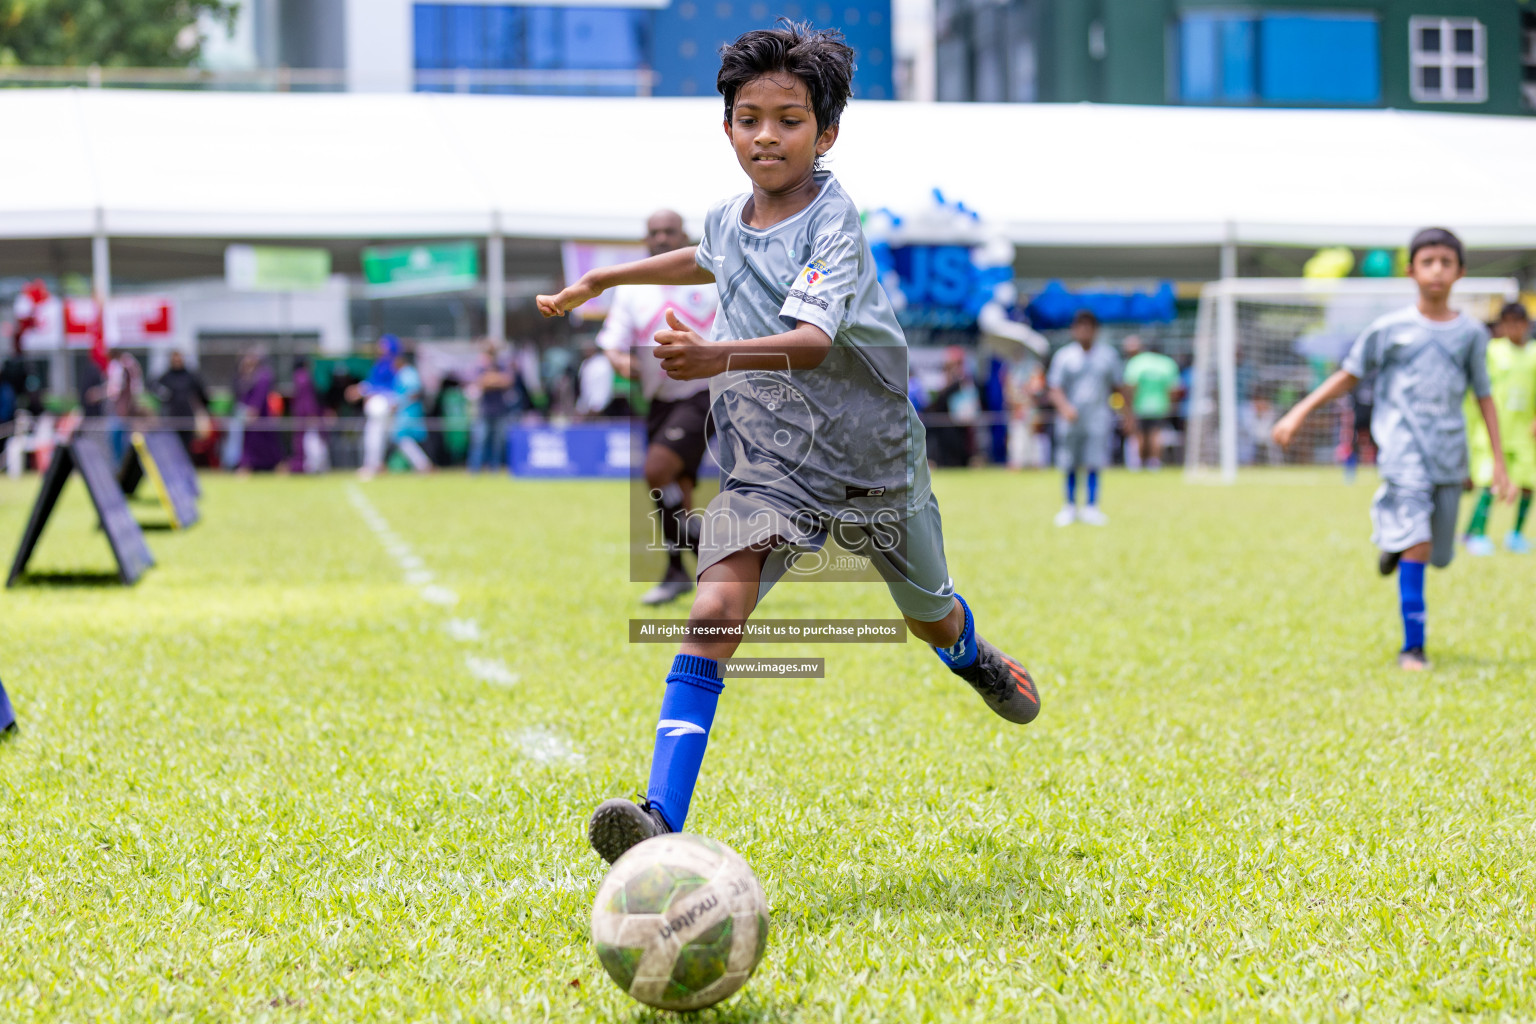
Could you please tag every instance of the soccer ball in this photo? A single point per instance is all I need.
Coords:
(680, 922)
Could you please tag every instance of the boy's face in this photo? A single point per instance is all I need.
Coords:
(1435, 269)
(773, 130)
(1084, 332)
(1515, 328)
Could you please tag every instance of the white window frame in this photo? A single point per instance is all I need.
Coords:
(1448, 60)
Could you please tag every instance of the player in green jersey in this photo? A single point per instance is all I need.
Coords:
(1512, 372)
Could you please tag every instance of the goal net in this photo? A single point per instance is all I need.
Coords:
(1261, 344)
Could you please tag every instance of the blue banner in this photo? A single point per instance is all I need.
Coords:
(578, 450)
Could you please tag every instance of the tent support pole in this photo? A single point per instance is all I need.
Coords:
(1226, 361)
(496, 286)
(101, 286)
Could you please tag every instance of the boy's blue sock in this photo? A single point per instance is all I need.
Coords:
(1410, 590)
(1093, 487)
(1071, 487)
(687, 712)
(963, 653)
(7, 716)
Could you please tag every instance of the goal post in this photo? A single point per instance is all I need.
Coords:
(1261, 344)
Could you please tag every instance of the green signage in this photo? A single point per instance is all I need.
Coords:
(271, 268)
(421, 269)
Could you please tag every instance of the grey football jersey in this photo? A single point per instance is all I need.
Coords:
(842, 438)
(1422, 370)
(1087, 377)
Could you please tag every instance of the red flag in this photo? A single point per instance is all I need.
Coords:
(99, 354)
(28, 303)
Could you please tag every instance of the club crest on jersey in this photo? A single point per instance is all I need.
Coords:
(816, 270)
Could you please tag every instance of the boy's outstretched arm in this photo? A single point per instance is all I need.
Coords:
(675, 267)
(1501, 486)
(1335, 387)
(685, 355)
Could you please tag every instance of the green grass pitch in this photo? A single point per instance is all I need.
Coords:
(273, 783)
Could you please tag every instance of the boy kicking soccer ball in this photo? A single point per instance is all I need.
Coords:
(1424, 358)
(808, 379)
(1512, 375)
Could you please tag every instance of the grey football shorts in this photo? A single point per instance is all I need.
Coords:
(1081, 447)
(907, 553)
(1404, 516)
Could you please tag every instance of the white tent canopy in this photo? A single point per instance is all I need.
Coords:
(212, 165)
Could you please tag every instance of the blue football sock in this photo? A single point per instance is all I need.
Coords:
(1093, 487)
(963, 653)
(687, 712)
(1071, 487)
(1410, 589)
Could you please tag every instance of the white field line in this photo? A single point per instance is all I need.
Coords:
(463, 630)
(434, 594)
(490, 670)
(542, 745)
(416, 572)
(538, 744)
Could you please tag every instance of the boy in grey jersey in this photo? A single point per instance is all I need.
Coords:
(1423, 359)
(1083, 376)
(808, 374)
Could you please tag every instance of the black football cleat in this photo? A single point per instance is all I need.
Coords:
(1003, 683)
(619, 824)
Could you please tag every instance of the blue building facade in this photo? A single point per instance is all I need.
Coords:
(670, 50)
(1465, 56)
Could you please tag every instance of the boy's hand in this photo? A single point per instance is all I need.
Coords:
(684, 354)
(1068, 412)
(568, 299)
(1502, 488)
(1285, 429)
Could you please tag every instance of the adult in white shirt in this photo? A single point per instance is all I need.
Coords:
(677, 423)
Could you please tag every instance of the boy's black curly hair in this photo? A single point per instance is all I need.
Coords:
(819, 58)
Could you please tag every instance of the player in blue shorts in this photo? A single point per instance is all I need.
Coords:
(1423, 359)
(808, 380)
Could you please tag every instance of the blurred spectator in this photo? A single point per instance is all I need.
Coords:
(916, 393)
(261, 449)
(377, 394)
(954, 407)
(13, 388)
(994, 399)
(1153, 379)
(1248, 425)
(182, 398)
(1039, 391)
(310, 455)
(234, 426)
(410, 428)
(1186, 393)
(1021, 441)
(495, 382)
(449, 444)
(125, 383)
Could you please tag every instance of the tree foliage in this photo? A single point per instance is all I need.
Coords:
(112, 33)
